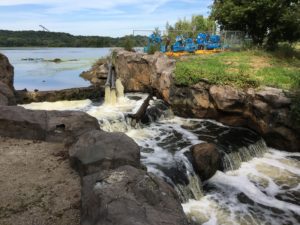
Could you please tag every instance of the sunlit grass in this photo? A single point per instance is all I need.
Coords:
(241, 69)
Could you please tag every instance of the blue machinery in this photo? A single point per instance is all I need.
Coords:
(155, 40)
(203, 42)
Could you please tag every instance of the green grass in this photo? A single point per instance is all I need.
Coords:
(242, 69)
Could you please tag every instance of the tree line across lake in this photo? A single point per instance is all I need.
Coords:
(57, 39)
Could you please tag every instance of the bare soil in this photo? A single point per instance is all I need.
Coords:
(37, 185)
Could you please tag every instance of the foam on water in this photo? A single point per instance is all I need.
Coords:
(262, 191)
(60, 105)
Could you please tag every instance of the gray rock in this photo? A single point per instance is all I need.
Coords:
(227, 98)
(98, 150)
(6, 91)
(129, 196)
(207, 159)
(275, 97)
(3, 100)
(6, 72)
(17, 122)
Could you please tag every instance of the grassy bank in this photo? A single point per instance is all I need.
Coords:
(242, 69)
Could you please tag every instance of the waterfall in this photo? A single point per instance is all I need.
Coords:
(113, 87)
(119, 88)
(233, 160)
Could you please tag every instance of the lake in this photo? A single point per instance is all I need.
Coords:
(33, 70)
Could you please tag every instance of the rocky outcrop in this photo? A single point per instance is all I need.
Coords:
(206, 160)
(57, 126)
(6, 72)
(266, 111)
(99, 150)
(142, 72)
(92, 92)
(97, 75)
(128, 196)
(7, 96)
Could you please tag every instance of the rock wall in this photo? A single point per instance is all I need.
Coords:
(267, 111)
(7, 95)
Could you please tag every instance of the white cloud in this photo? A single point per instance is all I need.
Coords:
(98, 17)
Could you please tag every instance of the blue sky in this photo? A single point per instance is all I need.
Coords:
(97, 17)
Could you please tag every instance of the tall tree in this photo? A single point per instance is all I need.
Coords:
(264, 20)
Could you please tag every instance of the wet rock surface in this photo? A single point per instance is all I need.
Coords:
(207, 160)
(128, 196)
(99, 150)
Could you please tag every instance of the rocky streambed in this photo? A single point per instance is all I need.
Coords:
(156, 171)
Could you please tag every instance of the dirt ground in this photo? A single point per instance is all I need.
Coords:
(37, 185)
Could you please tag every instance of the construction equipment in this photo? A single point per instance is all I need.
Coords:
(178, 46)
(155, 41)
(189, 45)
(208, 42)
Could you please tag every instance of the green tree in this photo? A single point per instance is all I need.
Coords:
(266, 21)
(190, 28)
(128, 43)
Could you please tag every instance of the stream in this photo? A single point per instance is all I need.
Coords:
(257, 184)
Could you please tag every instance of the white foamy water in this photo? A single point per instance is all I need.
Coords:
(264, 190)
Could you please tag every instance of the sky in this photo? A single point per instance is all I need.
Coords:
(97, 17)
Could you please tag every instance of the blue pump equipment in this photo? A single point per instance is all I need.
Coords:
(178, 46)
(209, 42)
(184, 45)
(155, 40)
(189, 45)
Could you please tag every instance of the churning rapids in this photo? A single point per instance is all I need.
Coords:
(257, 185)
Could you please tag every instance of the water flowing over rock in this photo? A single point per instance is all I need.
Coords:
(7, 96)
(99, 150)
(128, 196)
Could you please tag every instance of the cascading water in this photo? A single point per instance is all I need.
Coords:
(114, 89)
(250, 190)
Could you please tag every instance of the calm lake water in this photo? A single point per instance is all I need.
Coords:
(33, 71)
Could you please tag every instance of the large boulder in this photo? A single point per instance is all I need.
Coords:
(206, 159)
(6, 72)
(99, 150)
(227, 98)
(129, 196)
(7, 95)
(274, 97)
(17, 122)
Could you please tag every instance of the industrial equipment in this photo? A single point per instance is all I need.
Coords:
(155, 41)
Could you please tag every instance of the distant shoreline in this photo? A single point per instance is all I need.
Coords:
(63, 40)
